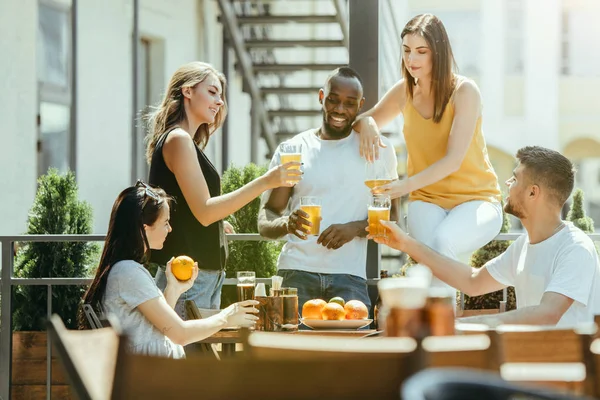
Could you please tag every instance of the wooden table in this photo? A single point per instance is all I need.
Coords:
(230, 337)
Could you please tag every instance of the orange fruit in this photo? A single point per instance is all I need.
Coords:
(182, 267)
(356, 309)
(333, 311)
(312, 309)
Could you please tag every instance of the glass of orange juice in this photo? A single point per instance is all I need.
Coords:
(289, 152)
(379, 209)
(312, 206)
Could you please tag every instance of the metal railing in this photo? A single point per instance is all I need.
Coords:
(7, 281)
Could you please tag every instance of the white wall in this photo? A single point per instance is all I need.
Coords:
(104, 86)
(104, 104)
(18, 110)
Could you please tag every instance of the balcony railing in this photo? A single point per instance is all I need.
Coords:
(7, 281)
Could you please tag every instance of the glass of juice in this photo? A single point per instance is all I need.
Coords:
(312, 206)
(379, 209)
(289, 152)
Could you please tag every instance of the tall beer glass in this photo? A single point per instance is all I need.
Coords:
(245, 285)
(377, 174)
(312, 206)
(379, 209)
(289, 152)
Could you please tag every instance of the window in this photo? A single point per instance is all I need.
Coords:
(514, 37)
(54, 54)
(580, 51)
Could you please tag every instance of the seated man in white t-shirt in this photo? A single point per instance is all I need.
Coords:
(334, 262)
(554, 266)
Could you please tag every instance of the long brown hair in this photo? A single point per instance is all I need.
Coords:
(171, 111)
(126, 239)
(443, 80)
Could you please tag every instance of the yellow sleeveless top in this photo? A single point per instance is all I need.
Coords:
(426, 143)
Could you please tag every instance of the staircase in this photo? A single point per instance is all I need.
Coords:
(285, 49)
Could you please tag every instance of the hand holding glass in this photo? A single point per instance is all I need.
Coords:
(290, 152)
(312, 206)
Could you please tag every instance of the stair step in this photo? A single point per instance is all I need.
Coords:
(294, 113)
(270, 44)
(294, 67)
(284, 19)
(290, 90)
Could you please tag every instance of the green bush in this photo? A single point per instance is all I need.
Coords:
(55, 210)
(258, 256)
(478, 260)
(577, 213)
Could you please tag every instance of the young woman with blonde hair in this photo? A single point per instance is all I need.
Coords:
(193, 108)
(453, 190)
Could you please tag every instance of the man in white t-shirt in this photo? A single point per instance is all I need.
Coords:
(554, 266)
(334, 262)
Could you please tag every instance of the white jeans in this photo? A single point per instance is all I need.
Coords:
(455, 233)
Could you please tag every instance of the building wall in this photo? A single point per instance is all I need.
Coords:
(18, 110)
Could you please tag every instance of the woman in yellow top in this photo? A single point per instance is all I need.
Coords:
(454, 193)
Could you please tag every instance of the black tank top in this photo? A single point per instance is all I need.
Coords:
(206, 245)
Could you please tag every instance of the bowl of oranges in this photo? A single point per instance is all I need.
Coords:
(335, 314)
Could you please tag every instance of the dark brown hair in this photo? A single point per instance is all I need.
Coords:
(443, 80)
(172, 111)
(548, 169)
(126, 239)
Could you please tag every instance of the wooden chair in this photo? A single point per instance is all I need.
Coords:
(591, 351)
(474, 351)
(99, 367)
(200, 349)
(89, 357)
(544, 355)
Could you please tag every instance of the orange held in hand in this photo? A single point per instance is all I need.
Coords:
(312, 309)
(356, 309)
(182, 267)
(333, 311)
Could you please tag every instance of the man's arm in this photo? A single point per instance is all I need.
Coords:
(548, 312)
(471, 281)
(272, 223)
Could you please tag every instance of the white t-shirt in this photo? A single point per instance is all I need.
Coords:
(565, 263)
(334, 171)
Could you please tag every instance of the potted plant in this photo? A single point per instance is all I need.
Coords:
(56, 210)
(258, 256)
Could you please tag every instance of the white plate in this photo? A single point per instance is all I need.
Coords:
(330, 324)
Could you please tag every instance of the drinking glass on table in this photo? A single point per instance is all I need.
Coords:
(289, 152)
(379, 209)
(245, 285)
(312, 206)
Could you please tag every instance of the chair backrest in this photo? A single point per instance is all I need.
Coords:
(541, 344)
(139, 377)
(206, 349)
(88, 356)
(467, 351)
(591, 351)
(277, 346)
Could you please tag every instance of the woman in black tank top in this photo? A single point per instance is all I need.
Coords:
(193, 108)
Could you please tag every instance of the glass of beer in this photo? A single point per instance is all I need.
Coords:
(289, 152)
(312, 206)
(377, 174)
(379, 209)
(246, 281)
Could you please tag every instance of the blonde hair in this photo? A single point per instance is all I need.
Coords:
(171, 110)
